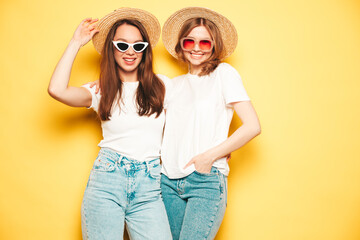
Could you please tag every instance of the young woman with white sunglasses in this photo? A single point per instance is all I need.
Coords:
(124, 183)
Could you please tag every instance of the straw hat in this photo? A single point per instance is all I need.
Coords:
(174, 23)
(149, 21)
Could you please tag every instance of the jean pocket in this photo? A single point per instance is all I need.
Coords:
(213, 172)
(155, 171)
(103, 164)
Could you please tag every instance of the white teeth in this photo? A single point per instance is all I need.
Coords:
(129, 60)
(196, 55)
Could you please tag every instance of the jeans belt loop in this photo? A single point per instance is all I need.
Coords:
(147, 166)
(120, 160)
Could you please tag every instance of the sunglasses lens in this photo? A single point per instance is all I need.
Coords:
(139, 47)
(205, 45)
(188, 44)
(122, 46)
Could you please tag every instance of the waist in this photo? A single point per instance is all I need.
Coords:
(123, 161)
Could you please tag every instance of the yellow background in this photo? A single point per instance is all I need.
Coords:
(300, 63)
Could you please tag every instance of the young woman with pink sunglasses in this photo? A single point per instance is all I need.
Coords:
(199, 111)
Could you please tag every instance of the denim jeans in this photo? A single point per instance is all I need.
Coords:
(195, 204)
(122, 190)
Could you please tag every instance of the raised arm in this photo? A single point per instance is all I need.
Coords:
(247, 131)
(58, 87)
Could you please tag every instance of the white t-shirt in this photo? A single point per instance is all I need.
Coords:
(198, 117)
(136, 137)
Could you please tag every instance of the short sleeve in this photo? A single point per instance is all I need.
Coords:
(168, 88)
(232, 87)
(95, 97)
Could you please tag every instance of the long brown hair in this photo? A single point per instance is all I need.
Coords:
(150, 92)
(214, 60)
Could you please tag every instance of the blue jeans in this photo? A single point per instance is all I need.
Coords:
(122, 190)
(195, 204)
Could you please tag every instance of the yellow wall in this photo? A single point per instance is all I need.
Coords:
(300, 62)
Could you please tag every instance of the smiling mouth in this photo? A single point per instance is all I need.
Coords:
(196, 55)
(129, 59)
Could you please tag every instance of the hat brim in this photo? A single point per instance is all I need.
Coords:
(149, 21)
(174, 23)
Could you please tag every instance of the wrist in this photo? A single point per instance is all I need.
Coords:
(211, 156)
(75, 44)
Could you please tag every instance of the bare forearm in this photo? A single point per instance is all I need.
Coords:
(238, 139)
(61, 76)
(250, 129)
(58, 87)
